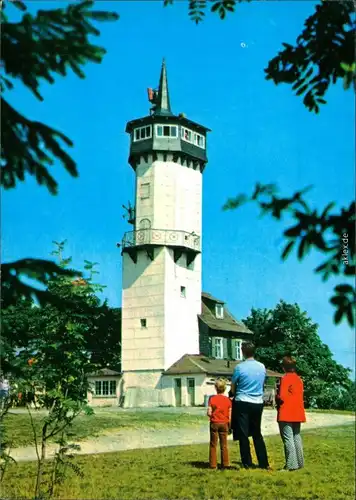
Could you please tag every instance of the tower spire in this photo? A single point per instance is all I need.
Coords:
(160, 98)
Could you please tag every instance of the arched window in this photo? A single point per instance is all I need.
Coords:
(145, 224)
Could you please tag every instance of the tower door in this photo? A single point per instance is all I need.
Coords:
(178, 391)
(191, 391)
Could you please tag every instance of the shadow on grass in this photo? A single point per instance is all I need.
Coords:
(205, 465)
(199, 465)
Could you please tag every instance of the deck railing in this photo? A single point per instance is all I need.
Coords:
(169, 237)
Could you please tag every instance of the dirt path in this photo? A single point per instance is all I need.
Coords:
(149, 438)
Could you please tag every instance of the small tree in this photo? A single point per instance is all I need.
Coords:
(60, 344)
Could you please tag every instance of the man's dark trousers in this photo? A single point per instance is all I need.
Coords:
(248, 418)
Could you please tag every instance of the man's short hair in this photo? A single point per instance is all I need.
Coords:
(289, 363)
(248, 349)
(220, 385)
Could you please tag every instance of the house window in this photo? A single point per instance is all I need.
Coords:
(142, 133)
(166, 131)
(145, 191)
(183, 292)
(105, 388)
(219, 311)
(143, 323)
(236, 351)
(218, 348)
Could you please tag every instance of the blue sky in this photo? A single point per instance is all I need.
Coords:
(260, 132)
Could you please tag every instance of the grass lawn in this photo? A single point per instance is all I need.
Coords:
(19, 430)
(181, 473)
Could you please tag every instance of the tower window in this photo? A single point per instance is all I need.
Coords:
(143, 323)
(142, 133)
(219, 311)
(187, 134)
(145, 190)
(166, 131)
(193, 137)
(183, 292)
(199, 140)
(145, 224)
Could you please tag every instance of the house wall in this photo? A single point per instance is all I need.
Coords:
(94, 400)
(168, 388)
(204, 340)
(161, 391)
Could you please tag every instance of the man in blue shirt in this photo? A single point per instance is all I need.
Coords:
(247, 386)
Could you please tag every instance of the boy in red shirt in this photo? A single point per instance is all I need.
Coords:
(219, 411)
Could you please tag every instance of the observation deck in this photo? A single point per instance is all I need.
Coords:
(148, 239)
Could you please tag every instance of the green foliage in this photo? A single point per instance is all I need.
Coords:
(323, 53)
(76, 330)
(350, 75)
(332, 234)
(320, 54)
(37, 48)
(286, 330)
(13, 288)
(347, 400)
(5, 444)
(52, 350)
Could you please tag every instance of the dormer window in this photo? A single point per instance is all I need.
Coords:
(219, 311)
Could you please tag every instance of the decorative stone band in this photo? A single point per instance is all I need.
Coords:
(168, 237)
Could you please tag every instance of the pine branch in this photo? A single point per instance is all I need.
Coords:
(29, 147)
(12, 287)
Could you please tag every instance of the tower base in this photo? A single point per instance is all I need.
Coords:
(146, 389)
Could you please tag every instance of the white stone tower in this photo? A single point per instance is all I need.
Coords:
(161, 292)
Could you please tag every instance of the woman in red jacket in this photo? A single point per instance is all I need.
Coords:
(290, 406)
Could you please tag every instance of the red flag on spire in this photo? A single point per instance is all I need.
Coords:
(151, 95)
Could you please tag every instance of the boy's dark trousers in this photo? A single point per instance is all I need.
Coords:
(218, 432)
(248, 417)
